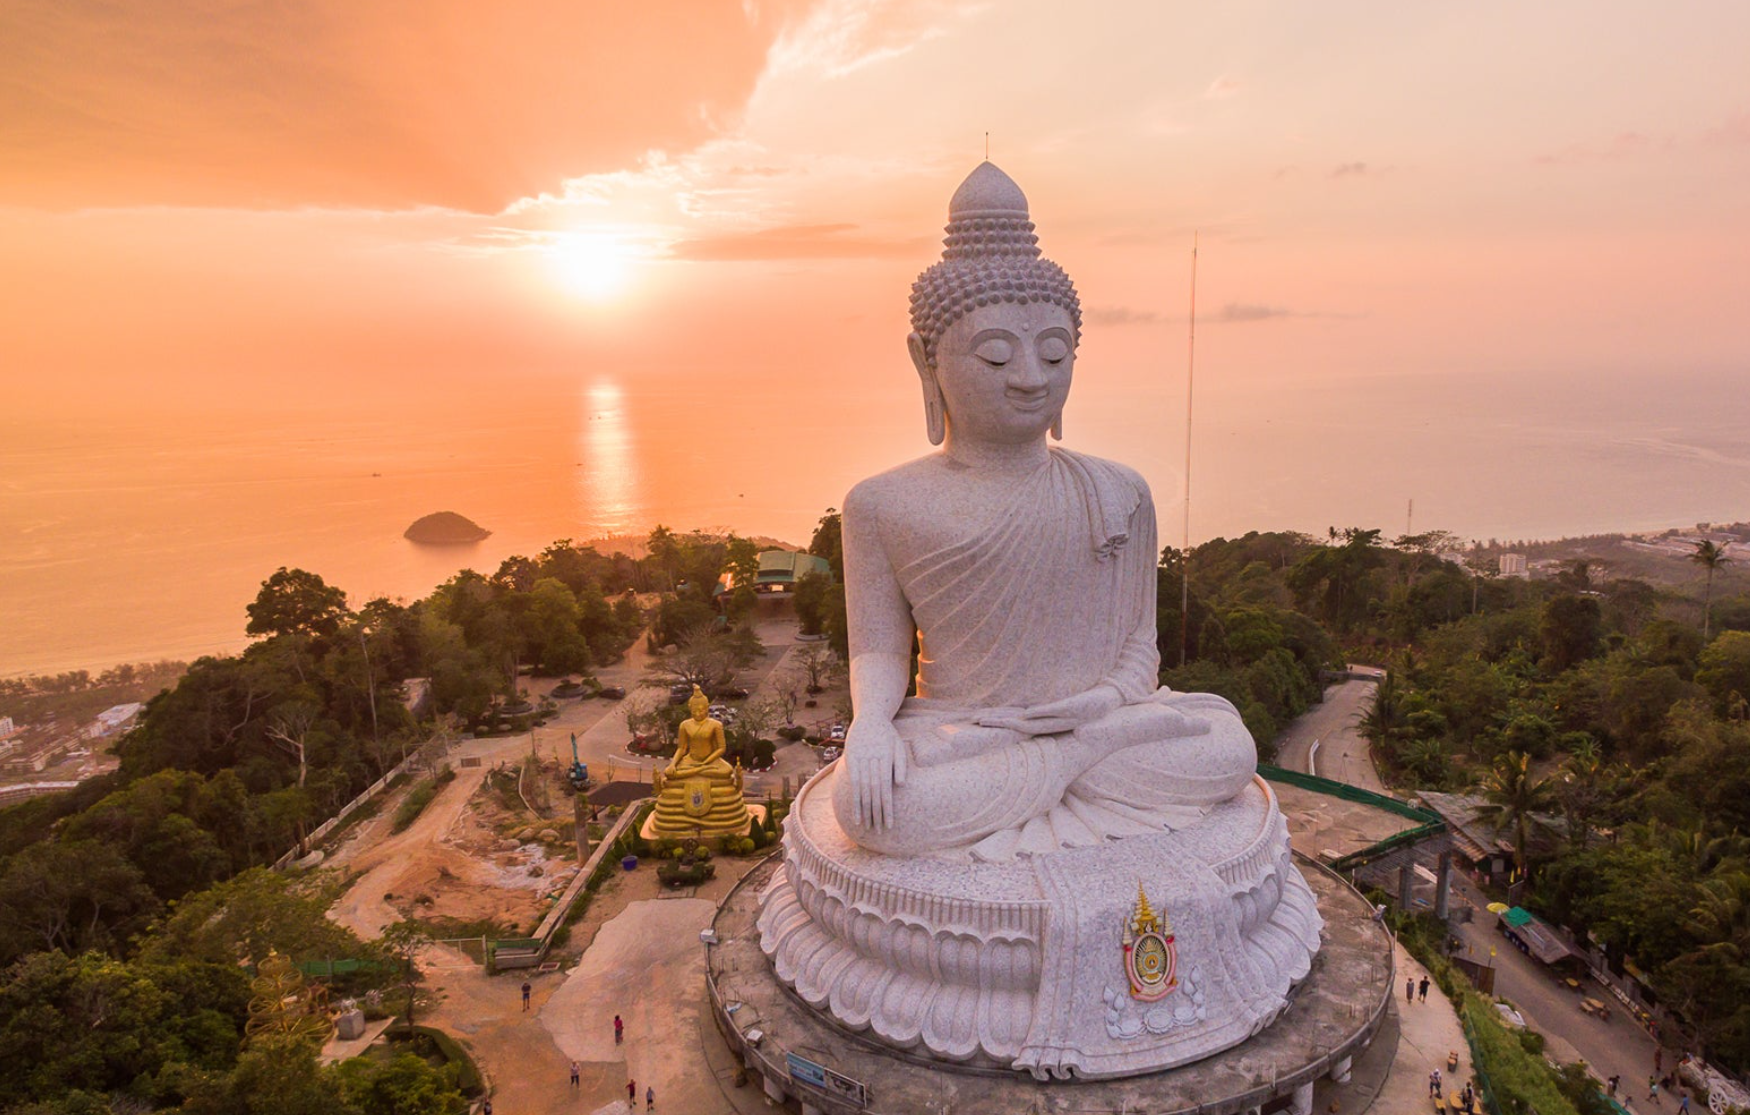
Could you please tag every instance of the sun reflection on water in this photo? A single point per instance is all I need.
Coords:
(607, 482)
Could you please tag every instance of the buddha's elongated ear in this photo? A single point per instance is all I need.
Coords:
(935, 416)
(1057, 427)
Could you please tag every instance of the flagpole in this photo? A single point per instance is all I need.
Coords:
(1185, 552)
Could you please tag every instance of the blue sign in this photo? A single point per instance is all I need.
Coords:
(804, 1071)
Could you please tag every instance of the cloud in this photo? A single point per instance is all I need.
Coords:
(1237, 312)
(831, 241)
(1234, 313)
(1622, 146)
(1122, 315)
(1221, 89)
(360, 103)
(840, 37)
(1735, 132)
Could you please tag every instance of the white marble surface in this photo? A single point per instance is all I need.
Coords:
(957, 882)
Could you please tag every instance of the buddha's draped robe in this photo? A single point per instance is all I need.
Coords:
(1051, 595)
(1048, 595)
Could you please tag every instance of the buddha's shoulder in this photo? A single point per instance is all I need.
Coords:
(1115, 472)
(899, 487)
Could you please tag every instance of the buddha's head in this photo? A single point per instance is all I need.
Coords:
(993, 302)
(698, 704)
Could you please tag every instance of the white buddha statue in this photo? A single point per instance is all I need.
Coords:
(1028, 574)
(1043, 860)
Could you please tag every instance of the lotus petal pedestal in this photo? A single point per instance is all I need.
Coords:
(1040, 964)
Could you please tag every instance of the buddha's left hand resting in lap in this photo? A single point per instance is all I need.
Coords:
(1027, 573)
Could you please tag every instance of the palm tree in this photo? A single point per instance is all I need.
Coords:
(1710, 556)
(1514, 794)
(1722, 917)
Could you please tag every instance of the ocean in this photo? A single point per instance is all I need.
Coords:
(143, 536)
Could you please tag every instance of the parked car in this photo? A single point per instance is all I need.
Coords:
(612, 692)
(836, 733)
(828, 754)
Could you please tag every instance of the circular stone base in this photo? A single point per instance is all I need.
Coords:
(1332, 1016)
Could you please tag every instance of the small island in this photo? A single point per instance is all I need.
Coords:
(445, 528)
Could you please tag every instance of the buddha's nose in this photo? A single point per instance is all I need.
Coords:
(1027, 372)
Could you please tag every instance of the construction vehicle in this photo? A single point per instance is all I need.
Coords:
(578, 774)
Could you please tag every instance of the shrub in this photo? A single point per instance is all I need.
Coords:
(414, 804)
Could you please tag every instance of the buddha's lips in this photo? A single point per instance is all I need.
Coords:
(1028, 400)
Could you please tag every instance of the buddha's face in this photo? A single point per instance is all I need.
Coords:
(699, 706)
(1004, 371)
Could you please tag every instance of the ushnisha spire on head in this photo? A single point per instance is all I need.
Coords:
(990, 255)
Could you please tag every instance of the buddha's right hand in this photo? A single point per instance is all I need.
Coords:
(875, 757)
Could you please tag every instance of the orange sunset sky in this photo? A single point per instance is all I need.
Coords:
(209, 197)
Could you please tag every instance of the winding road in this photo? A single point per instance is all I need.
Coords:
(1327, 738)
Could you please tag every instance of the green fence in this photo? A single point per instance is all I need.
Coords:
(1431, 824)
(1347, 792)
(330, 968)
(1485, 1087)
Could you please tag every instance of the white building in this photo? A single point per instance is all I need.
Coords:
(114, 719)
(7, 728)
(1513, 565)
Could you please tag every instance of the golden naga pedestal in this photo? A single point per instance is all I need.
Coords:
(698, 794)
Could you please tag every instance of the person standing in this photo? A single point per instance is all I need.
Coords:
(1610, 1086)
(1422, 990)
(526, 990)
(631, 1092)
(1653, 1088)
(1683, 1107)
(650, 1099)
(574, 1074)
(619, 1033)
(1410, 990)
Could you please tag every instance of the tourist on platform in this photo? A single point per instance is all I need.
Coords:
(526, 990)
(650, 1099)
(1422, 990)
(619, 1033)
(1410, 990)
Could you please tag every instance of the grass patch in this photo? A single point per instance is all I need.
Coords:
(419, 797)
(413, 805)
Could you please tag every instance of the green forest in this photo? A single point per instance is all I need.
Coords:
(136, 909)
(1606, 720)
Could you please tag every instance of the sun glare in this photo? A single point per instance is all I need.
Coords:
(590, 266)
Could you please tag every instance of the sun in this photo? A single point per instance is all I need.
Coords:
(590, 265)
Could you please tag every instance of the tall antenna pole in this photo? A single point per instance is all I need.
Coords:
(1185, 553)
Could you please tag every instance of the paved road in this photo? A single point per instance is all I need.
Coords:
(1342, 752)
(1617, 1047)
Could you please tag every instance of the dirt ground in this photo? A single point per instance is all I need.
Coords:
(635, 953)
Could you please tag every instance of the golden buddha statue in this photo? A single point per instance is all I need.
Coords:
(698, 793)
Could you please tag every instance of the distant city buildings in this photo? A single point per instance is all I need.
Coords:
(1513, 565)
(7, 728)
